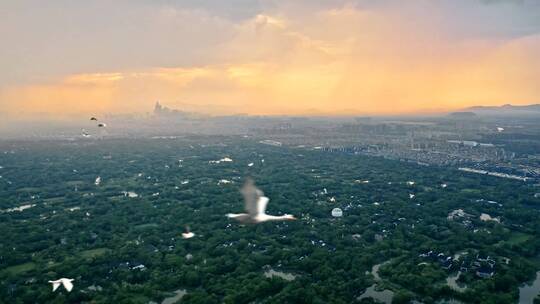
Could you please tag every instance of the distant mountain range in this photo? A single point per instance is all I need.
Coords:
(505, 109)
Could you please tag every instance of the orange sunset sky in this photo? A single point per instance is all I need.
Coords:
(267, 57)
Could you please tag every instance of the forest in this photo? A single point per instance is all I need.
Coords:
(120, 239)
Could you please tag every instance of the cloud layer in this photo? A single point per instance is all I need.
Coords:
(264, 57)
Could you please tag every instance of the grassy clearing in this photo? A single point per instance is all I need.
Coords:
(21, 268)
(29, 189)
(468, 190)
(518, 238)
(146, 226)
(53, 200)
(92, 253)
(75, 183)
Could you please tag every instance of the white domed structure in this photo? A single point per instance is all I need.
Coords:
(337, 212)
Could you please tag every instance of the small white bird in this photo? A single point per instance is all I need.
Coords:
(85, 134)
(187, 234)
(411, 196)
(255, 206)
(102, 125)
(444, 185)
(98, 181)
(224, 181)
(66, 282)
(499, 129)
(250, 165)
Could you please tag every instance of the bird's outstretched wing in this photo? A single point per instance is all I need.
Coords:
(251, 197)
(67, 285)
(261, 204)
(55, 285)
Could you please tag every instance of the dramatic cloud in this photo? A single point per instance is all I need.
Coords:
(307, 57)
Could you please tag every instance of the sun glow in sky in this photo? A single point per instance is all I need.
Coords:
(267, 57)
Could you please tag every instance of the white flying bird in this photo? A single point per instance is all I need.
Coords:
(66, 282)
(98, 181)
(85, 134)
(255, 206)
(187, 234)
